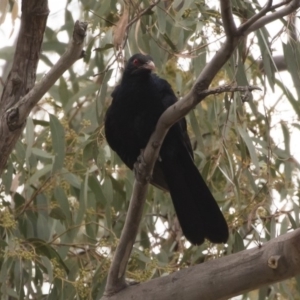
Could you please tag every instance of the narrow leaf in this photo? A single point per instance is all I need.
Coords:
(58, 143)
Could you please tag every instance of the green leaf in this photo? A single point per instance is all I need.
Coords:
(43, 230)
(266, 53)
(29, 139)
(40, 173)
(42, 153)
(97, 189)
(238, 243)
(284, 225)
(48, 266)
(7, 177)
(58, 143)
(82, 205)
(63, 91)
(42, 248)
(263, 293)
(72, 179)
(5, 268)
(88, 89)
(291, 219)
(291, 55)
(105, 47)
(3, 244)
(57, 213)
(250, 147)
(101, 97)
(196, 129)
(161, 17)
(63, 202)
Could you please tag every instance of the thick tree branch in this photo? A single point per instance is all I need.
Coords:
(274, 261)
(116, 279)
(14, 109)
(116, 276)
(227, 18)
(23, 73)
(279, 62)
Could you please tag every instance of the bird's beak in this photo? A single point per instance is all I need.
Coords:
(149, 65)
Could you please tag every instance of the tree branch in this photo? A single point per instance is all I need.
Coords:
(228, 88)
(291, 7)
(227, 18)
(72, 54)
(23, 72)
(15, 111)
(143, 12)
(256, 17)
(274, 261)
(116, 277)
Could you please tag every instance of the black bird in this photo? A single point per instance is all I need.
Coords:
(138, 102)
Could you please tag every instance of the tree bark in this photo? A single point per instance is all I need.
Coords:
(225, 277)
(22, 76)
(20, 94)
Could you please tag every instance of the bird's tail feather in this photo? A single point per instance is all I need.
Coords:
(198, 213)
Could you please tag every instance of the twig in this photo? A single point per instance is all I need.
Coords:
(104, 19)
(228, 88)
(143, 12)
(291, 7)
(256, 17)
(72, 54)
(275, 6)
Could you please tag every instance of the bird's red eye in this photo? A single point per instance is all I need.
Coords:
(136, 62)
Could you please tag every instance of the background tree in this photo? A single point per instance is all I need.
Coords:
(64, 194)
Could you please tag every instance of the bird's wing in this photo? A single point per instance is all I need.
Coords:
(169, 98)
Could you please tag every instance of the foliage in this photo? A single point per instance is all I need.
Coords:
(64, 194)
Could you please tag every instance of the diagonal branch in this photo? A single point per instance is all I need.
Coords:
(229, 88)
(256, 17)
(291, 7)
(14, 109)
(72, 54)
(116, 277)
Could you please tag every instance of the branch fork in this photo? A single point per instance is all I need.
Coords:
(116, 276)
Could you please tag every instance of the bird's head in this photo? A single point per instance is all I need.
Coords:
(139, 64)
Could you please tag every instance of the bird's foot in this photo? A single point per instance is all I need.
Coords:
(140, 169)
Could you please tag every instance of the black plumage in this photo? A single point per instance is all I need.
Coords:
(137, 104)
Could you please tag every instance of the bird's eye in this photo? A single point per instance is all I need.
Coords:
(136, 62)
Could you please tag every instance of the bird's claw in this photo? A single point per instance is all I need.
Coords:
(140, 170)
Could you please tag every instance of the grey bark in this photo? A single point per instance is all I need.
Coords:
(225, 277)
(23, 73)
(20, 94)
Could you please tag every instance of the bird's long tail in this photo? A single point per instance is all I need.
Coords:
(198, 213)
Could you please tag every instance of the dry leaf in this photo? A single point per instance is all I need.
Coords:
(120, 30)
